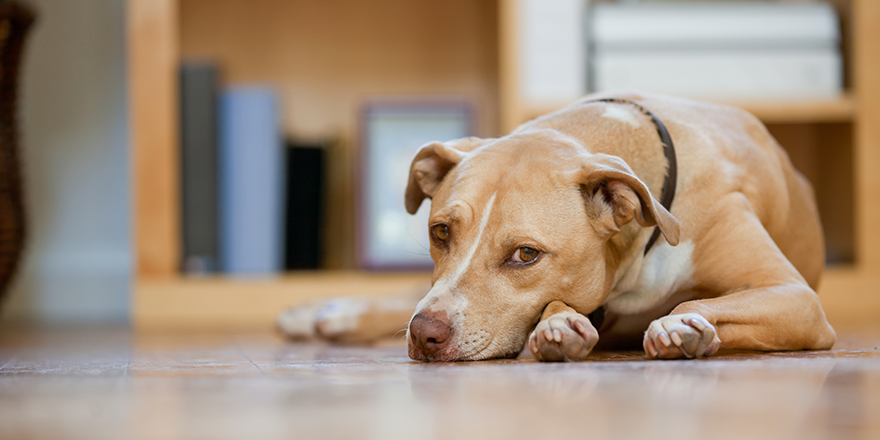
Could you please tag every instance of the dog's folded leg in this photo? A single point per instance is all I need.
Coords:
(562, 335)
(767, 305)
(351, 319)
(298, 323)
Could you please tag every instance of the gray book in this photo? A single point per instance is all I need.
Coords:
(198, 146)
(251, 181)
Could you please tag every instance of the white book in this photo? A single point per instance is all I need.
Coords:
(720, 51)
(552, 50)
(714, 24)
(728, 75)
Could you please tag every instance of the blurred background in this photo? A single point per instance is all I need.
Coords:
(205, 163)
(75, 155)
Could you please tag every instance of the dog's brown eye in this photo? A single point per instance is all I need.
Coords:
(441, 232)
(525, 255)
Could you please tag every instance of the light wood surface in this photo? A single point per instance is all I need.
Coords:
(866, 66)
(109, 384)
(153, 56)
(842, 109)
(823, 153)
(221, 302)
(326, 58)
(510, 105)
(847, 295)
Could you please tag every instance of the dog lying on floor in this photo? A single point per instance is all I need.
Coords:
(624, 218)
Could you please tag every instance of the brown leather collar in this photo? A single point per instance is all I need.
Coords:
(668, 192)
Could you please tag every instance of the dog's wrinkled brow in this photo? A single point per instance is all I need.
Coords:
(456, 212)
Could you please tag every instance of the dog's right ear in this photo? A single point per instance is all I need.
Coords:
(431, 165)
(615, 196)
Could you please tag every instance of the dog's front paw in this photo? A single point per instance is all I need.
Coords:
(688, 335)
(566, 336)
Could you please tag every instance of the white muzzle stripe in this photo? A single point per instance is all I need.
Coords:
(446, 286)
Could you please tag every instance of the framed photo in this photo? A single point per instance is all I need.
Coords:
(392, 132)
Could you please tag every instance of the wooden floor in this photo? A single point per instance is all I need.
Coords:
(110, 383)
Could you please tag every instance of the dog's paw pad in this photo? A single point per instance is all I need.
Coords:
(687, 335)
(565, 336)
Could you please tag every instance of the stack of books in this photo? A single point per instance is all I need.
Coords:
(718, 50)
(552, 52)
(251, 205)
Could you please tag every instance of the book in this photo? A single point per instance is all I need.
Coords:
(716, 24)
(304, 206)
(552, 50)
(251, 182)
(732, 75)
(198, 147)
(718, 50)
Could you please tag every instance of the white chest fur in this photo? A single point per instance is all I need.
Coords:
(654, 278)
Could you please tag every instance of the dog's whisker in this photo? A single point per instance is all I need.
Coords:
(398, 332)
(417, 253)
(416, 240)
(404, 329)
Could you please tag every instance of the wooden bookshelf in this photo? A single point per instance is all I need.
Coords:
(163, 31)
(841, 109)
(193, 303)
(200, 303)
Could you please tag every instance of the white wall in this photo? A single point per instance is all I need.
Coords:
(74, 146)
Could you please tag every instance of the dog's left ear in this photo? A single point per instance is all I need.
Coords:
(431, 165)
(615, 196)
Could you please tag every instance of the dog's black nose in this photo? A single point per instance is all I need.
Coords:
(429, 333)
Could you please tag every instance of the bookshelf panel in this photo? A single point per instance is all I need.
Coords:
(200, 303)
(823, 153)
(326, 57)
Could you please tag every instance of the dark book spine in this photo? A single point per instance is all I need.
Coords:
(305, 186)
(198, 146)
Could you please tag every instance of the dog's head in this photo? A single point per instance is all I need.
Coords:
(516, 223)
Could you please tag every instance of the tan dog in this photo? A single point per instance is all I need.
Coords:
(536, 230)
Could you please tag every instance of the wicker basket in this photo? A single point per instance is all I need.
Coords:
(15, 20)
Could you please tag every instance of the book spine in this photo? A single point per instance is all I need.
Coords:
(714, 24)
(251, 182)
(725, 75)
(305, 181)
(552, 50)
(198, 142)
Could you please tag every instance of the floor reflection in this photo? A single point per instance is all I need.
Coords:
(256, 386)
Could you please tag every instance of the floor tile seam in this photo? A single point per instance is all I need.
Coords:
(9, 362)
(236, 343)
(126, 374)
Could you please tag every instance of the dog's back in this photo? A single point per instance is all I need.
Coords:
(721, 150)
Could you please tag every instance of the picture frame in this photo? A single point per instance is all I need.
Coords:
(392, 131)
